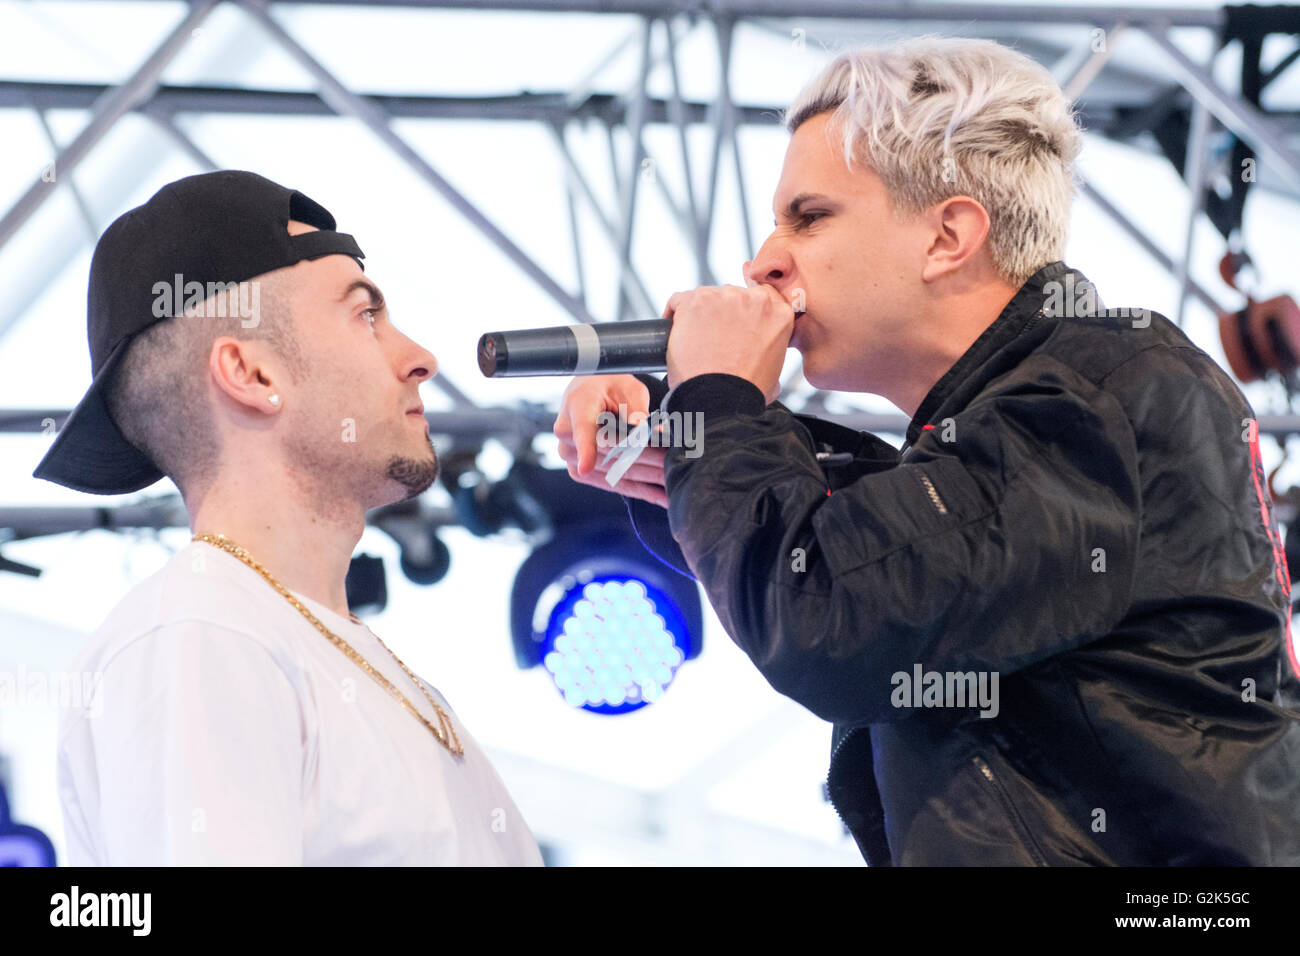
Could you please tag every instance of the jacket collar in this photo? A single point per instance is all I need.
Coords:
(993, 352)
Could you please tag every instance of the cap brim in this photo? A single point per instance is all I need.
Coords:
(89, 453)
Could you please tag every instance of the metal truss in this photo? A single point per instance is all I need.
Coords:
(1113, 100)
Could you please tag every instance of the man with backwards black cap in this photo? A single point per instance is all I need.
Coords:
(245, 716)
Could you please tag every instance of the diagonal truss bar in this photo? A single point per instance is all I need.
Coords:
(1281, 67)
(633, 286)
(674, 111)
(1248, 122)
(584, 87)
(167, 123)
(718, 119)
(346, 103)
(1080, 77)
(726, 37)
(114, 104)
(1092, 64)
(681, 216)
(1149, 247)
(575, 235)
(82, 206)
(677, 113)
(1197, 147)
(627, 199)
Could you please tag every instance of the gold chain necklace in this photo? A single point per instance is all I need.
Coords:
(446, 736)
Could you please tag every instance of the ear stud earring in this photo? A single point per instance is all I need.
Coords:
(273, 399)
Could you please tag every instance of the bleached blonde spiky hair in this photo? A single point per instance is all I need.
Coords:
(936, 117)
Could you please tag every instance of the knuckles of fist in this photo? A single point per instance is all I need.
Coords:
(741, 331)
(714, 305)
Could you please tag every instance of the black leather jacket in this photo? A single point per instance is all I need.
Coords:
(1080, 513)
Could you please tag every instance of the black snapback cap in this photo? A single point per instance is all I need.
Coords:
(215, 228)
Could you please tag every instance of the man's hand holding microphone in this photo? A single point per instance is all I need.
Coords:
(715, 329)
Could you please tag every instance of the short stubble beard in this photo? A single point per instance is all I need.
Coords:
(416, 475)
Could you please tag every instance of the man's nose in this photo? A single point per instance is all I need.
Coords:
(770, 266)
(422, 364)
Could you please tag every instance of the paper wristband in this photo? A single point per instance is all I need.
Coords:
(627, 452)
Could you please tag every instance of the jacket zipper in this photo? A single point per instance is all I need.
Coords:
(983, 768)
(934, 495)
(838, 747)
(1017, 822)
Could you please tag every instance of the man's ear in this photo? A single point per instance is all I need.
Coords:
(238, 368)
(960, 226)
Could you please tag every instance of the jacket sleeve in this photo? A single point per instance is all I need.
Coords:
(650, 522)
(1007, 538)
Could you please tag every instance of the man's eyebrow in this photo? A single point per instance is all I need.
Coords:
(792, 209)
(376, 297)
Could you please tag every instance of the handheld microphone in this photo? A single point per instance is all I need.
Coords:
(579, 349)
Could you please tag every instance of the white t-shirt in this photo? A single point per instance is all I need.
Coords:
(227, 730)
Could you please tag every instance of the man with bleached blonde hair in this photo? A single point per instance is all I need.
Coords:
(1054, 628)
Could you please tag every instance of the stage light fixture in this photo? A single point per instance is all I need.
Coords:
(606, 620)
